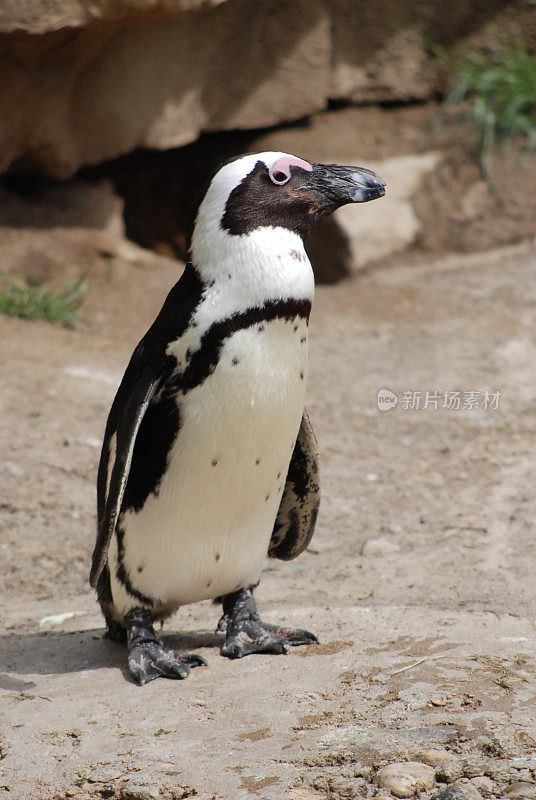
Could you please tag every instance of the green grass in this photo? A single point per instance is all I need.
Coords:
(500, 85)
(59, 306)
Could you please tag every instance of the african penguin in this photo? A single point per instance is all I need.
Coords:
(209, 461)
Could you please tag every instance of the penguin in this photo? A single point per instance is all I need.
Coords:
(209, 462)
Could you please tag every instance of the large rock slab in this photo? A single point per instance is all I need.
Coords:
(78, 97)
(380, 229)
(85, 82)
(36, 16)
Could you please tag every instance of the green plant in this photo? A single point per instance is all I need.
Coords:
(501, 87)
(61, 306)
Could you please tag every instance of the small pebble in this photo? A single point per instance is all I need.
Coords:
(89, 441)
(450, 771)
(12, 468)
(380, 546)
(407, 778)
(45, 623)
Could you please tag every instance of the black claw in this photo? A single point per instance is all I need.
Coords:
(148, 658)
(246, 633)
(296, 636)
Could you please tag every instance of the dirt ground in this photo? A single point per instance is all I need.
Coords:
(419, 581)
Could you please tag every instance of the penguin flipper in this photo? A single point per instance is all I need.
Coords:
(295, 522)
(125, 426)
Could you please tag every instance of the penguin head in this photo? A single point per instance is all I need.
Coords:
(280, 190)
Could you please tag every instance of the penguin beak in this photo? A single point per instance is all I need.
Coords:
(334, 185)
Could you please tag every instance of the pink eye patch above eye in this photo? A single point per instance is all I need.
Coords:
(284, 164)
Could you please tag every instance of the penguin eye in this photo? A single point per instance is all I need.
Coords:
(279, 177)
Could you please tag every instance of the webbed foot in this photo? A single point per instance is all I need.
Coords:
(148, 658)
(246, 633)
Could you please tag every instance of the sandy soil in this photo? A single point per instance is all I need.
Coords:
(419, 581)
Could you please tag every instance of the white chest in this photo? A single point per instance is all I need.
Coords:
(206, 531)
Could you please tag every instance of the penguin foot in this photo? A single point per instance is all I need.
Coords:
(148, 658)
(246, 633)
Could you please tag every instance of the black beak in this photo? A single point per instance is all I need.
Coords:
(335, 185)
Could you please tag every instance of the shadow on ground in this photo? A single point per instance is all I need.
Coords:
(60, 653)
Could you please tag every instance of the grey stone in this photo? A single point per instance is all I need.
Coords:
(458, 791)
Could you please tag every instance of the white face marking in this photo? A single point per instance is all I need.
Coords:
(258, 263)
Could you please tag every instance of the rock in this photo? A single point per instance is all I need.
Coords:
(524, 775)
(435, 757)
(407, 778)
(400, 63)
(449, 771)
(86, 82)
(65, 233)
(370, 238)
(11, 467)
(139, 791)
(477, 200)
(458, 791)
(521, 791)
(60, 233)
(101, 100)
(76, 204)
(448, 767)
(183, 792)
(301, 794)
(380, 547)
(349, 742)
(485, 785)
(345, 788)
(34, 16)
(474, 766)
(55, 620)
